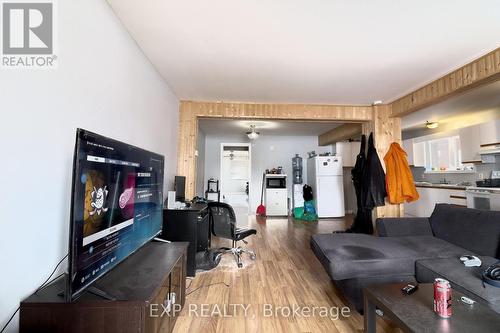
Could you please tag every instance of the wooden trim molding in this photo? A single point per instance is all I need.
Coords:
(490, 144)
(457, 205)
(307, 112)
(443, 187)
(191, 111)
(483, 70)
(472, 162)
(343, 132)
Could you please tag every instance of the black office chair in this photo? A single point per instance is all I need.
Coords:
(223, 224)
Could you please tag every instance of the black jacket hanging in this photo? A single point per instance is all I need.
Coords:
(373, 190)
(358, 171)
(363, 219)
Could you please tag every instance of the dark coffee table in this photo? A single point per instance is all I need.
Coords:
(414, 313)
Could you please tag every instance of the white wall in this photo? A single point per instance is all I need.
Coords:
(103, 83)
(268, 151)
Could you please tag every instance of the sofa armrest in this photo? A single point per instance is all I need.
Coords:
(407, 226)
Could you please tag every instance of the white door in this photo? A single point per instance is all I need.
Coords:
(235, 167)
(330, 197)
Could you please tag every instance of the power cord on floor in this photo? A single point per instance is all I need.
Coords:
(47, 281)
(208, 285)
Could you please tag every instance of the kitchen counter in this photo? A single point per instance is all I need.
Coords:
(432, 194)
(441, 186)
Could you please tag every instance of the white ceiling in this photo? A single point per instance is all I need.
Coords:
(476, 106)
(235, 127)
(308, 51)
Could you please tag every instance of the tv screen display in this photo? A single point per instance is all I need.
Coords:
(116, 205)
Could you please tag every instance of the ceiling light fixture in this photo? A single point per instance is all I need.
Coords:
(252, 133)
(432, 125)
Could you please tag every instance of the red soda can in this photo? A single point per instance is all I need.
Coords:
(442, 298)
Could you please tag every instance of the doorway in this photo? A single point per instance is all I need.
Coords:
(235, 176)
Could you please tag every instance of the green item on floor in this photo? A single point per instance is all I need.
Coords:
(306, 213)
(298, 213)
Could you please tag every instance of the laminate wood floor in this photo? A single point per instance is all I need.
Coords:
(285, 274)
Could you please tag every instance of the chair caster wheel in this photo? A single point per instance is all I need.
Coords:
(240, 265)
(253, 257)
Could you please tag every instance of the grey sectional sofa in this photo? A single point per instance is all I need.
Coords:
(415, 250)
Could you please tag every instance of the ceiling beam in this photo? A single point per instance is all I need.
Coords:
(483, 70)
(343, 132)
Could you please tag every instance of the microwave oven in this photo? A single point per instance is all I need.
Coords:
(275, 182)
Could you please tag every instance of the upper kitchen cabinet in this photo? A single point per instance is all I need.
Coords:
(490, 133)
(415, 152)
(355, 146)
(348, 151)
(408, 148)
(470, 143)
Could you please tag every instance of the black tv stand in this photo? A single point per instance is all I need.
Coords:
(120, 301)
(101, 293)
(93, 290)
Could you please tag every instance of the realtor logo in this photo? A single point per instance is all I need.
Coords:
(28, 34)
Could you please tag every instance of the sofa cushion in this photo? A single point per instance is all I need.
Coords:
(464, 279)
(403, 226)
(347, 256)
(473, 229)
(428, 247)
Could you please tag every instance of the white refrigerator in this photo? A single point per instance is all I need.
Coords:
(325, 176)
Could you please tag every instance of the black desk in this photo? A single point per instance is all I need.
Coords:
(188, 225)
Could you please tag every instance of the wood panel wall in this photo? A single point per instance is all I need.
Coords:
(476, 73)
(191, 111)
(386, 130)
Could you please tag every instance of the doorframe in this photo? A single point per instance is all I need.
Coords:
(221, 156)
(191, 111)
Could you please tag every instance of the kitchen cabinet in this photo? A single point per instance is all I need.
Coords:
(490, 132)
(470, 142)
(408, 148)
(430, 196)
(348, 151)
(355, 146)
(418, 153)
(276, 201)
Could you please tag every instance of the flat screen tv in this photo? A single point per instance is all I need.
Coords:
(116, 206)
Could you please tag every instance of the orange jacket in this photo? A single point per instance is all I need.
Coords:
(399, 179)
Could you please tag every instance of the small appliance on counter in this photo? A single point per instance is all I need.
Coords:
(275, 171)
(493, 181)
(486, 195)
(276, 195)
(212, 193)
